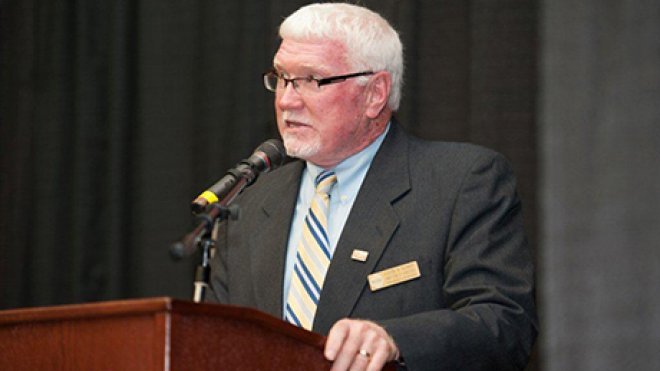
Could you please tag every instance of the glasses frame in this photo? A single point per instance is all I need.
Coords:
(319, 82)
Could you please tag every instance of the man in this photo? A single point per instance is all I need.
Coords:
(406, 250)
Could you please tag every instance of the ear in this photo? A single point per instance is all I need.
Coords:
(378, 93)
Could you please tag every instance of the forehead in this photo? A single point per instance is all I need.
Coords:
(314, 55)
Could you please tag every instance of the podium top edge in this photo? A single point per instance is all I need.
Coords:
(153, 306)
(86, 310)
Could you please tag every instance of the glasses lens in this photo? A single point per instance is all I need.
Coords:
(307, 85)
(270, 81)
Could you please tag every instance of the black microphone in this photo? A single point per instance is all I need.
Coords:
(268, 156)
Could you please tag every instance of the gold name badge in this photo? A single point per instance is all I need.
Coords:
(392, 276)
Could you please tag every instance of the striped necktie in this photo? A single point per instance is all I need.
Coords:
(312, 258)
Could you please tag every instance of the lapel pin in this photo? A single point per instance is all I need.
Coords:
(360, 255)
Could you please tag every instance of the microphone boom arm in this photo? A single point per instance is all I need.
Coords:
(213, 205)
(216, 211)
(201, 237)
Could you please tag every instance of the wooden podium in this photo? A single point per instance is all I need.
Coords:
(154, 334)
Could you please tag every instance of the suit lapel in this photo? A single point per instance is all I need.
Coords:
(268, 246)
(369, 227)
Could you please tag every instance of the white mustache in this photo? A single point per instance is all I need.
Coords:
(289, 116)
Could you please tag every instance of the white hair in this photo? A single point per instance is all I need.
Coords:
(371, 42)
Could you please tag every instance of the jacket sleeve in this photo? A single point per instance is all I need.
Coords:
(490, 322)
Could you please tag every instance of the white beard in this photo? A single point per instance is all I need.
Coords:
(300, 148)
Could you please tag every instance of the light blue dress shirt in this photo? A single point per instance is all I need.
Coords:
(350, 174)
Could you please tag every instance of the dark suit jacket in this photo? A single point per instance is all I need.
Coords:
(450, 207)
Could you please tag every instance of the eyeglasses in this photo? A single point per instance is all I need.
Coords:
(274, 80)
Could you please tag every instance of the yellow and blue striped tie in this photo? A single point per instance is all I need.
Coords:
(313, 257)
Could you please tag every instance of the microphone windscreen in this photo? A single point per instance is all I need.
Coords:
(274, 150)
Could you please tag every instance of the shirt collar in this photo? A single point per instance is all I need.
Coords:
(347, 170)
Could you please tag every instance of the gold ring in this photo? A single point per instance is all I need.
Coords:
(364, 353)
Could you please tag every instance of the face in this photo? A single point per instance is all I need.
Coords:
(327, 126)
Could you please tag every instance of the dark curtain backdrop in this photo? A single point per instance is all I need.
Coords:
(115, 114)
(599, 117)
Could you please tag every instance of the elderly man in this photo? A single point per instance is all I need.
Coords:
(396, 248)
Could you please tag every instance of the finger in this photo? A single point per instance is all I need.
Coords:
(379, 356)
(359, 345)
(336, 337)
(361, 360)
(349, 349)
(367, 337)
(383, 347)
(383, 341)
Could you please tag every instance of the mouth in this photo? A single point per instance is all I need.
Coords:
(292, 124)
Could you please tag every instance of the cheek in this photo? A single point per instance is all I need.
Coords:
(343, 117)
(278, 120)
(342, 106)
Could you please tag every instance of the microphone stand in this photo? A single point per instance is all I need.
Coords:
(269, 155)
(201, 237)
(205, 243)
(203, 271)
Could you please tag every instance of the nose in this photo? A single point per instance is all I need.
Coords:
(288, 98)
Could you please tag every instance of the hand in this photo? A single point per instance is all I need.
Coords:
(359, 345)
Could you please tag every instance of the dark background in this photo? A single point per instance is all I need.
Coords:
(115, 114)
